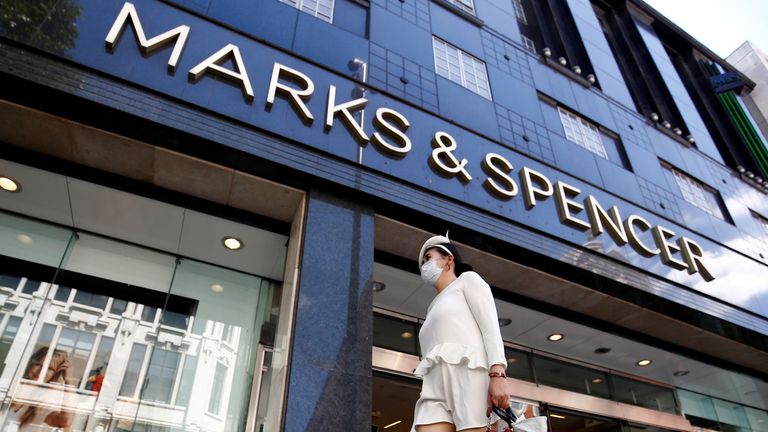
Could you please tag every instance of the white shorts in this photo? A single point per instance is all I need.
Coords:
(453, 394)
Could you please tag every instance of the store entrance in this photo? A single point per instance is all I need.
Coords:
(393, 400)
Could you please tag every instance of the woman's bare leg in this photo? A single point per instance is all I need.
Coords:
(436, 427)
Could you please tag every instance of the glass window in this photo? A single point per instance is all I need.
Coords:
(76, 346)
(161, 375)
(118, 306)
(322, 9)
(528, 44)
(9, 334)
(698, 194)
(519, 11)
(568, 421)
(465, 5)
(461, 68)
(187, 378)
(62, 294)
(582, 132)
(644, 394)
(91, 299)
(518, 364)
(214, 403)
(571, 377)
(132, 370)
(395, 334)
(30, 286)
(9, 281)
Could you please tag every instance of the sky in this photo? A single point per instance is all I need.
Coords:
(721, 25)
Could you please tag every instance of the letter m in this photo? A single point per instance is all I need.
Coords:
(179, 34)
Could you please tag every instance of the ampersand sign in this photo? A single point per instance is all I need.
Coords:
(443, 159)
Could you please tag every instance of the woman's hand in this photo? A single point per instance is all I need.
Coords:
(497, 389)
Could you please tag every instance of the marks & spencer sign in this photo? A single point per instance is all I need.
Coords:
(389, 134)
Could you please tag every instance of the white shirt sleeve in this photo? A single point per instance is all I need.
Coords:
(480, 301)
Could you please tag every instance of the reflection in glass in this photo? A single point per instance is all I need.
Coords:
(103, 343)
(131, 375)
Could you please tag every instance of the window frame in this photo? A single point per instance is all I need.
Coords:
(588, 133)
(461, 58)
(467, 6)
(711, 196)
(517, 5)
(299, 4)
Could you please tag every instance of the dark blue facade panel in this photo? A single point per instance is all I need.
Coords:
(398, 35)
(456, 103)
(327, 44)
(456, 30)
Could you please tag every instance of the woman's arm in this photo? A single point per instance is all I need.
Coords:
(480, 302)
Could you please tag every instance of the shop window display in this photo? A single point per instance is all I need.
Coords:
(103, 342)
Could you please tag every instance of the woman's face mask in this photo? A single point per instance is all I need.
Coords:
(430, 272)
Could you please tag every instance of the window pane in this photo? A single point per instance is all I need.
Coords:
(518, 364)
(395, 334)
(90, 299)
(214, 404)
(161, 375)
(571, 377)
(10, 282)
(132, 371)
(76, 347)
(644, 394)
(9, 334)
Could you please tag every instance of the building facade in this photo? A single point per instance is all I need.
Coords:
(211, 210)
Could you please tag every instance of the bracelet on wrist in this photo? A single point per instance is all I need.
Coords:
(497, 374)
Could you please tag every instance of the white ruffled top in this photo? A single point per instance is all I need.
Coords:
(462, 327)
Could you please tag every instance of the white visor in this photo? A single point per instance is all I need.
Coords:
(433, 242)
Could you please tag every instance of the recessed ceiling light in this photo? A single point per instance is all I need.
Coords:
(24, 239)
(557, 416)
(503, 322)
(217, 288)
(406, 335)
(555, 337)
(602, 350)
(379, 286)
(681, 372)
(644, 362)
(597, 380)
(9, 185)
(512, 360)
(232, 243)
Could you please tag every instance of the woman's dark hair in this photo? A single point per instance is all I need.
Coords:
(459, 265)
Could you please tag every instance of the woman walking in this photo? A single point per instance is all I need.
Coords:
(463, 366)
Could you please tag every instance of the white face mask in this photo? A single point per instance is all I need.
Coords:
(430, 272)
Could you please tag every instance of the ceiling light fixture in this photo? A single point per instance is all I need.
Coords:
(555, 337)
(392, 424)
(217, 288)
(379, 286)
(503, 322)
(232, 243)
(557, 416)
(597, 380)
(644, 362)
(9, 185)
(591, 78)
(602, 350)
(654, 117)
(24, 239)
(406, 335)
(681, 372)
